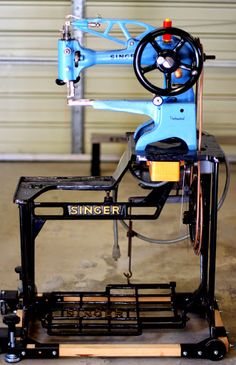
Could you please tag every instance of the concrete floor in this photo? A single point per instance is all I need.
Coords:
(77, 255)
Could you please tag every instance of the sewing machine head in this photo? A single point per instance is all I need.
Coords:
(167, 61)
(171, 51)
(74, 58)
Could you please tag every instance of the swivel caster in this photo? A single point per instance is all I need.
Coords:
(215, 349)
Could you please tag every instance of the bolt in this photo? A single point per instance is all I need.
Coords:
(216, 352)
(54, 353)
(23, 353)
(199, 353)
(157, 100)
(185, 353)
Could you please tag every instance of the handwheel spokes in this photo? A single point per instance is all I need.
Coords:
(179, 45)
(187, 67)
(168, 81)
(149, 68)
(183, 52)
(155, 45)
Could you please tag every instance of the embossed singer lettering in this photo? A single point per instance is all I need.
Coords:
(97, 312)
(94, 209)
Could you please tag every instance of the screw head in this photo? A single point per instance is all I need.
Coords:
(199, 353)
(54, 353)
(185, 353)
(157, 100)
(216, 352)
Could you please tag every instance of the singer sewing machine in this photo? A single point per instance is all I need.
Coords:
(161, 153)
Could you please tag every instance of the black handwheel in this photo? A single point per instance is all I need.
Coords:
(179, 58)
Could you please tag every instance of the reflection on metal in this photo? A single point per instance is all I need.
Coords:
(77, 113)
(53, 61)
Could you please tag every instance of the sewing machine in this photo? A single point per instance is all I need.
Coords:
(161, 154)
(175, 55)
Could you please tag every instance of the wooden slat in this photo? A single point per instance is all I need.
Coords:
(218, 319)
(118, 299)
(20, 314)
(119, 350)
(219, 323)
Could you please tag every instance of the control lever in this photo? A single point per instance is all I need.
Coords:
(11, 320)
(59, 82)
(209, 57)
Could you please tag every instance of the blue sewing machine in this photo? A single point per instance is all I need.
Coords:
(170, 52)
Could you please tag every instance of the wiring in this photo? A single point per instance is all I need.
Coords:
(186, 236)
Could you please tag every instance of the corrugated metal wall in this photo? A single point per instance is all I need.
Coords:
(33, 112)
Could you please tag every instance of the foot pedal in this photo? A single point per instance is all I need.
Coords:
(119, 310)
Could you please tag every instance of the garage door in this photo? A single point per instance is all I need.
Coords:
(33, 114)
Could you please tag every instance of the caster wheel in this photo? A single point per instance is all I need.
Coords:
(215, 350)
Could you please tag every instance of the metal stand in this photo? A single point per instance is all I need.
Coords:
(120, 309)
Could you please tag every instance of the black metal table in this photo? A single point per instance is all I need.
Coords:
(63, 313)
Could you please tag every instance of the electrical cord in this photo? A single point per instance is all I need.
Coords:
(227, 183)
(184, 237)
(153, 240)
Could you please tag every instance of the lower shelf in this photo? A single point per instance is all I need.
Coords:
(119, 310)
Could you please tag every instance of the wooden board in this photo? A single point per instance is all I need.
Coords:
(119, 350)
